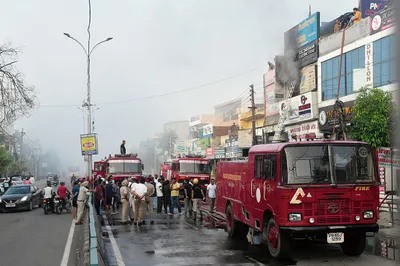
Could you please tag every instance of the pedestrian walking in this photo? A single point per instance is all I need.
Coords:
(81, 201)
(124, 201)
(175, 197)
(139, 191)
(197, 197)
(188, 196)
(159, 194)
(212, 188)
(150, 198)
(167, 196)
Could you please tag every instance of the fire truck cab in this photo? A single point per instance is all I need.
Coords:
(325, 190)
(119, 167)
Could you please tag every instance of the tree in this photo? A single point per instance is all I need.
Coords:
(373, 119)
(5, 160)
(167, 138)
(16, 168)
(17, 98)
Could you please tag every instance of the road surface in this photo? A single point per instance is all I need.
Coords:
(181, 241)
(34, 239)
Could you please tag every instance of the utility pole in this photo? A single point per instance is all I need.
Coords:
(253, 115)
(88, 102)
(21, 144)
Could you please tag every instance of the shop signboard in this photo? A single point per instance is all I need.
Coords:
(232, 148)
(371, 7)
(389, 163)
(307, 54)
(194, 120)
(308, 78)
(383, 20)
(327, 116)
(304, 33)
(303, 130)
(219, 153)
(210, 152)
(301, 108)
(180, 146)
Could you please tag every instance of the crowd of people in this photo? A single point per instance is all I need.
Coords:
(141, 197)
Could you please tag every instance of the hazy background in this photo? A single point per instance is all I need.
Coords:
(159, 47)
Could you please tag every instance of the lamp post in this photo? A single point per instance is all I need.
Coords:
(88, 102)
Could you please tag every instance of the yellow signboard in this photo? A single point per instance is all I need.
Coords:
(89, 144)
(247, 124)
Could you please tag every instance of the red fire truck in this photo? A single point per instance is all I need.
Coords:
(312, 190)
(119, 167)
(165, 169)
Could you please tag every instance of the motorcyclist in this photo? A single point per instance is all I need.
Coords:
(48, 193)
(62, 193)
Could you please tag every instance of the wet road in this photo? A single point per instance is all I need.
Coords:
(32, 238)
(181, 241)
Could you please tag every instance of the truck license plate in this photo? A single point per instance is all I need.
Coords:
(335, 238)
(10, 205)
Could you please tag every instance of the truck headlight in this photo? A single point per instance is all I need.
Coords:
(295, 217)
(368, 215)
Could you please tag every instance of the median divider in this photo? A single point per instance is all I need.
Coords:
(95, 240)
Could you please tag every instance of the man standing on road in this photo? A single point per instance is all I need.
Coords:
(159, 190)
(211, 188)
(109, 196)
(139, 191)
(197, 197)
(149, 199)
(125, 202)
(75, 192)
(188, 196)
(153, 182)
(32, 179)
(122, 148)
(81, 201)
(167, 196)
(175, 197)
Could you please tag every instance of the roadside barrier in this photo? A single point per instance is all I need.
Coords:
(96, 246)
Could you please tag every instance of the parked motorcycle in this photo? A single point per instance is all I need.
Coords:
(67, 204)
(53, 205)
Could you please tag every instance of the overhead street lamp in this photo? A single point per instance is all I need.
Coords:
(88, 103)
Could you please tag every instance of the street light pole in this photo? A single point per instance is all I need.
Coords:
(88, 103)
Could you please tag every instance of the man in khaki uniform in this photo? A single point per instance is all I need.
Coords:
(124, 200)
(139, 192)
(149, 199)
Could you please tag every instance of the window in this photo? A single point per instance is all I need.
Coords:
(384, 70)
(352, 62)
(174, 167)
(258, 164)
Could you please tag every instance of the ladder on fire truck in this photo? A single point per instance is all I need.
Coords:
(285, 111)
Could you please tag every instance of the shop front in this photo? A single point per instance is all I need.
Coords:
(328, 119)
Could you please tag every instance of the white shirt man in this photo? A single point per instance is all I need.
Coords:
(48, 191)
(32, 180)
(211, 188)
(140, 189)
(159, 189)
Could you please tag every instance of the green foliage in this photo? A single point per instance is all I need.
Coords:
(373, 118)
(16, 168)
(5, 160)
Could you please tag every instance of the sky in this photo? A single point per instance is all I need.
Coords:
(159, 47)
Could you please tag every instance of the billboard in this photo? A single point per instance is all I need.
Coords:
(194, 120)
(208, 131)
(302, 34)
(371, 7)
(300, 108)
(382, 20)
(89, 144)
(327, 116)
(308, 78)
(307, 54)
(273, 93)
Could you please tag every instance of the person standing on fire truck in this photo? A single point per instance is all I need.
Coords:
(122, 148)
(197, 197)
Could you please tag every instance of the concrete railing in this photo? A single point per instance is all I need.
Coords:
(95, 239)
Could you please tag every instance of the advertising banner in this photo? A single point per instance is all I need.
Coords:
(219, 153)
(383, 20)
(307, 54)
(301, 108)
(89, 144)
(180, 146)
(232, 148)
(273, 93)
(208, 131)
(304, 33)
(210, 152)
(369, 57)
(308, 78)
(389, 163)
(303, 129)
(371, 7)
(326, 118)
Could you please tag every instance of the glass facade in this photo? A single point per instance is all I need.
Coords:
(353, 63)
(384, 70)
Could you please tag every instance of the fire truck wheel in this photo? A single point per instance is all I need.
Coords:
(354, 244)
(278, 243)
(235, 228)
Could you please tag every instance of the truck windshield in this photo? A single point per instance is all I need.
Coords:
(195, 167)
(122, 166)
(314, 164)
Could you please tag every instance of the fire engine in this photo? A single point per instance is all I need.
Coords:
(119, 167)
(165, 169)
(309, 190)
